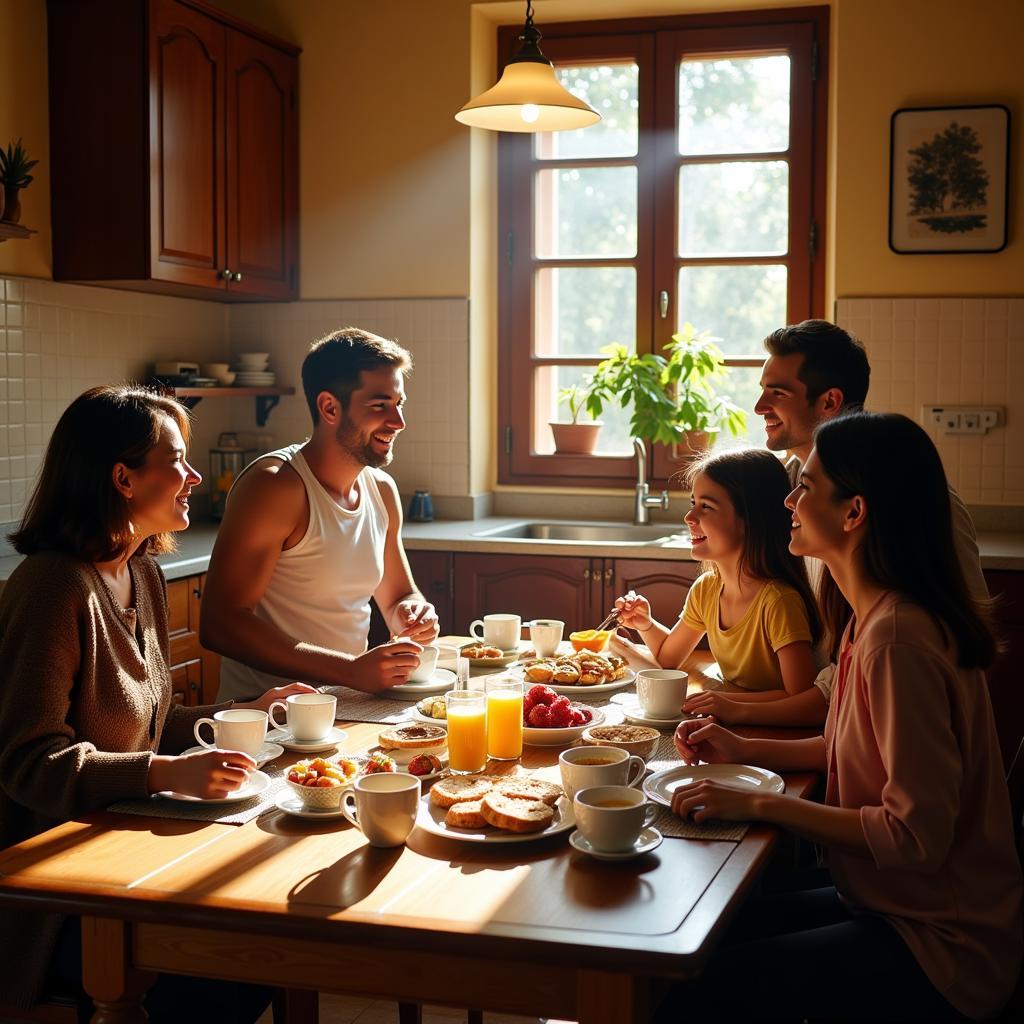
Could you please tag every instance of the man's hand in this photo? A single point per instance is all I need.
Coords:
(383, 667)
(418, 620)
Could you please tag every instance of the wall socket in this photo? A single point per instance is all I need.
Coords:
(962, 419)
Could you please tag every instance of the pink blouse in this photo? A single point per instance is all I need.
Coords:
(910, 741)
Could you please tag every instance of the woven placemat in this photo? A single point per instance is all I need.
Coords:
(223, 814)
(357, 706)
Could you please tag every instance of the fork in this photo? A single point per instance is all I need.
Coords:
(609, 620)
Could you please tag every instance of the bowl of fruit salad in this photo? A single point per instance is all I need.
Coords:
(319, 783)
(553, 721)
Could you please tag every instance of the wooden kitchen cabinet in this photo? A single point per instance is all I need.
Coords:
(195, 671)
(432, 573)
(175, 162)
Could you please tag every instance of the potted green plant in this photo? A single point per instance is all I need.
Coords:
(673, 399)
(14, 176)
(575, 438)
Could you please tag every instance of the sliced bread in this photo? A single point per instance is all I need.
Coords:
(526, 788)
(458, 788)
(514, 815)
(465, 814)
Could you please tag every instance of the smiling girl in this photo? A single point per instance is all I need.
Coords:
(86, 715)
(754, 603)
(920, 918)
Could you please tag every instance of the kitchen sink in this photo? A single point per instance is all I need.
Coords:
(584, 533)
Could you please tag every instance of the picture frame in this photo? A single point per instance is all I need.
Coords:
(949, 168)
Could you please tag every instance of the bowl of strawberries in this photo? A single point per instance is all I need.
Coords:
(550, 720)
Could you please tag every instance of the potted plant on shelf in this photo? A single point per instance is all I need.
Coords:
(575, 438)
(674, 399)
(14, 176)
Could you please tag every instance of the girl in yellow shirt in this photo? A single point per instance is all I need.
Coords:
(754, 602)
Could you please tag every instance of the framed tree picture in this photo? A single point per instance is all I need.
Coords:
(949, 168)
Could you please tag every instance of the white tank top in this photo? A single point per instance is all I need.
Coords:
(320, 589)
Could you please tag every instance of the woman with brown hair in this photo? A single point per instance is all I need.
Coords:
(86, 716)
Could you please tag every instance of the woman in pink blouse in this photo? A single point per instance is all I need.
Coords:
(922, 919)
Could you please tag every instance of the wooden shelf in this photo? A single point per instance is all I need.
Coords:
(266, 398)
(9, 230)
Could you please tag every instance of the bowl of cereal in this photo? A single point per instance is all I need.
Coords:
(634, 739)
(319, 783)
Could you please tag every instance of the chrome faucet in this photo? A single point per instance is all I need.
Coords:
(644, 500)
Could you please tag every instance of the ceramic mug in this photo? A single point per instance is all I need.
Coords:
(611, 818)
(383, 807)
(498, 631)
(546, 635)
(424, 671)
(310, 716)
(586, 767)
(661, 691)
(235, 729)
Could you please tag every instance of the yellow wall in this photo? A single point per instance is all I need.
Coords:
(23, 112)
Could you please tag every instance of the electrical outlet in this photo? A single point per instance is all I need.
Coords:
(961, 419)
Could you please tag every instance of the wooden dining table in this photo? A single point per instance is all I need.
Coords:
(531, 928)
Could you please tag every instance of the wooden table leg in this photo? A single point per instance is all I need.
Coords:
(115, 986)
(603, 997)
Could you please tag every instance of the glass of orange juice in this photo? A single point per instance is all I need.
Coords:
(467, 730)
(504, 718)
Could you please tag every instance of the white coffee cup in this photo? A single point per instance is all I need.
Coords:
(235, 729)
(612, 817)
(546, 635)
(586, 767)
(310, 716)
(662, 691)
(383, 807)
(424, 671)
(498, 631)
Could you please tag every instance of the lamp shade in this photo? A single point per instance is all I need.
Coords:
(528, 98)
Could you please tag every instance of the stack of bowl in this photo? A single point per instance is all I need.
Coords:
(219, 372)
(254, 371)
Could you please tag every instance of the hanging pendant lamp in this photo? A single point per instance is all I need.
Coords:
(528, 96)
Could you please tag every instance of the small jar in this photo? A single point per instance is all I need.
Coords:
(421, 508)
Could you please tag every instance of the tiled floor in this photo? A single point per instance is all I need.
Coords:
(346, 1010)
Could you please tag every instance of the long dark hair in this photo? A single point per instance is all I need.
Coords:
(908, 547)
(757, 485)
(75, 507)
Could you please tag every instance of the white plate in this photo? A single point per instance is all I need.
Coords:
(266, 753)
(442, 680)
(632, 712)
(431, 819)
(253, 786)
(404, 768)
(331, 740)
(506, 658)
(416, 715)
(291, 804)
(579, 691)
(660, 786)
(649, 839)
(534, 737)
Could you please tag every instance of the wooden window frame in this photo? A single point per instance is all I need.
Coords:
(804, 33)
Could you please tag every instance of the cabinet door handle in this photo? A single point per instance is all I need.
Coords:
(196, 592)
(608, 575)
(236, 276)
(226, 274)
(586, 574)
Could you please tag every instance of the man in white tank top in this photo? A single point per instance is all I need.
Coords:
(311, 532)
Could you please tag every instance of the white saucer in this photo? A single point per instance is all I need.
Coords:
(291, 804)
(252, 787)
(649, 839)
(266, 753)
(331, 740)
(633, 713)
(443, 679)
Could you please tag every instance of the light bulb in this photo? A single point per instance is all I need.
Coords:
(529, 112)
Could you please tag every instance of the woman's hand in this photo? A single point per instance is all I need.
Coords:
(702, 739)
(634, 611)
(263, 702)
(705, 800)
(209, 774)
(718, 705)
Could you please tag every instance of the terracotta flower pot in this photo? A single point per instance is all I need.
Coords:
(575, 438)
(697, 442)
(11, 205)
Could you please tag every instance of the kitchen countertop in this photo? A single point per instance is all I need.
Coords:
(998, 550)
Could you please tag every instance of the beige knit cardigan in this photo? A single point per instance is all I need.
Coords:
(85, 701)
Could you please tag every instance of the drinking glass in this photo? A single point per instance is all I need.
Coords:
(504, 718)
(467, 731)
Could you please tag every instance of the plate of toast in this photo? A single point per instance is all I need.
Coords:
(495, 809)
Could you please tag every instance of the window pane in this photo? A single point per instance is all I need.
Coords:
(585, 211)
(577, 310)
(614, 437)
(739, 304)
(742, 387)
(734, 209)
(734, 105)
(612, 90)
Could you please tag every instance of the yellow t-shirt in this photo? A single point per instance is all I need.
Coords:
(746, 651)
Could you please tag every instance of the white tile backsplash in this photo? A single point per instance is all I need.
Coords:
(951, 351)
